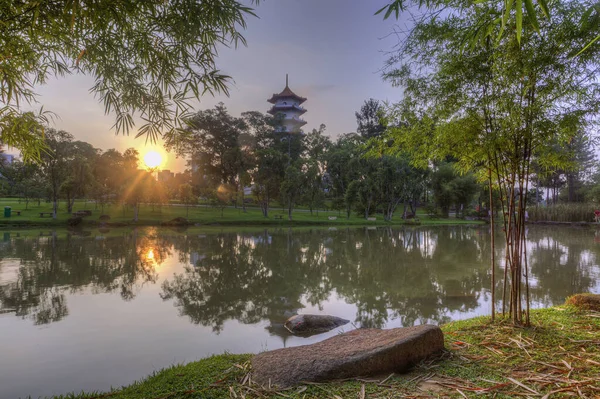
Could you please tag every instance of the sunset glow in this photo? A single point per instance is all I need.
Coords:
(153, 159)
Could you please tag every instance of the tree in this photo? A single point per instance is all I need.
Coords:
(496, 107)
(292, 186)
(136, 182)
(108, 177)
(212, 143)
(494, 28)
(370, 119)
(351, 196)
(581, 156)
(399, 182)
(317, 147)
(342, 160)
(80, 164)
(313, 192)
(146, 57)
(187, 197)
(55, 164)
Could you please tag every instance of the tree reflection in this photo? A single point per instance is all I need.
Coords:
(402, 275)
(412, 274)
(562, 263)
(49, 267)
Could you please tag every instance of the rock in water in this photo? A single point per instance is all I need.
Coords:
(309, 324)
(357, 353)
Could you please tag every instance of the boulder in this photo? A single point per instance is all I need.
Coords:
(309, 324)
(358, 353)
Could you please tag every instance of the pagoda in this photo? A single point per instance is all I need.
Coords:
(288, 104)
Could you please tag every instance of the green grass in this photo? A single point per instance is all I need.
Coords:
(153, 216)
(559, 353)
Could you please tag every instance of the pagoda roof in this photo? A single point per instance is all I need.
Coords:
(286, 93)
(282, 108)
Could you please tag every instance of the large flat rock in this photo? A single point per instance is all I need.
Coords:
(361, 352)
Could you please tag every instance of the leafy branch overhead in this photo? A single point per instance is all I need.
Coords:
(514, 13)
(148, 58)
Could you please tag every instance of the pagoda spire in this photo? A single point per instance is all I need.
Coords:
(287, 82)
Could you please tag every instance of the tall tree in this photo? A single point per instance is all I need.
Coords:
(497, 107)
(292, 186)
(342, 160)
(136, 182)
(55, 165)
(370, 119)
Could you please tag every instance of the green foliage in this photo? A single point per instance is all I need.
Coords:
(495, 107)
(292, 186)
(494, 26)
(370, 119)
(147, 58)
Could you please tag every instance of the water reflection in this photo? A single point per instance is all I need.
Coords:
(406, 275)
(49, 267)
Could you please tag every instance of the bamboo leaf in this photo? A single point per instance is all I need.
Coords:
(588, 45)
(532, 15)
(544, 7)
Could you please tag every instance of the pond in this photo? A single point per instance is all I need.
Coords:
(89, 310)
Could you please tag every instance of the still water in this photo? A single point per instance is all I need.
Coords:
(90, 310)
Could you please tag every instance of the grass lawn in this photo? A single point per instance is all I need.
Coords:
(558, 356)
(204, 215)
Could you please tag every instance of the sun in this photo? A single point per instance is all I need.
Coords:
(152, 159)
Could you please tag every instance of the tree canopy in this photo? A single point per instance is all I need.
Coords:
(148, 59)
(514, 14)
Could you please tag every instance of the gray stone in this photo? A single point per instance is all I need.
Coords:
(361, 352)
(306, 325)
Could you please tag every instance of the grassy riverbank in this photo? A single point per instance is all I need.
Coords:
(558, 355)
(199, 215)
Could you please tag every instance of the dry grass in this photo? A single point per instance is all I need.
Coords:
(585, 301)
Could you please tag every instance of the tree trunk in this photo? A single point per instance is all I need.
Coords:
(136, 209)
(493, 251)
(54, 209)
(571, 186)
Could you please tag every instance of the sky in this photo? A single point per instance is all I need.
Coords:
(333, 51)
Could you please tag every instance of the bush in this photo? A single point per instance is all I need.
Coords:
(104, 217)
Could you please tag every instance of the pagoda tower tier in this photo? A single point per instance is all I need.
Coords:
(288, 105)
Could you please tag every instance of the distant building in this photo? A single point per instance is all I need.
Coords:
(165, 175)
(288, 105)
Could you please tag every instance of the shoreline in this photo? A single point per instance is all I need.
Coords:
(24, 224)
(560, 352)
